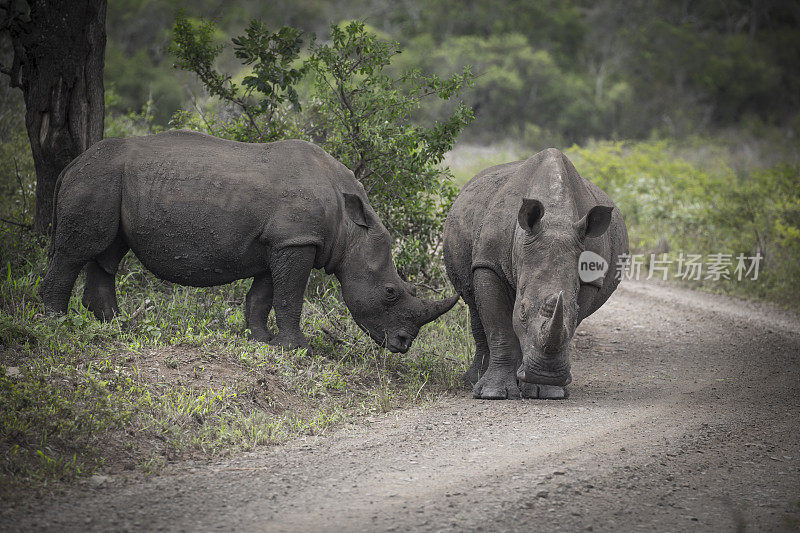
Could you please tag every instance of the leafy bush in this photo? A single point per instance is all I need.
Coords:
(353, 109)
(263, 92)
(521, 90)
(672, 204)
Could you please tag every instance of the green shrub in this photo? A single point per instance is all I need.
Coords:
(355, 110)
(673, 204)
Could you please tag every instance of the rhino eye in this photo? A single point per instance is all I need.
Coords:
(391, 292)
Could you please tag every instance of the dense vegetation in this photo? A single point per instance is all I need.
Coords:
(685, 113)
(549, 72)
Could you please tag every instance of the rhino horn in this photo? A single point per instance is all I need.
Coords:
(554, 333)
(433, 309)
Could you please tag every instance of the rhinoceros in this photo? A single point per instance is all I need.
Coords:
(512, 243)
(202, 211)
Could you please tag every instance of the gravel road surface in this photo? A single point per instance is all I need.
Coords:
(683, 415)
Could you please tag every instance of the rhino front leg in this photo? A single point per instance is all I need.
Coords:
(257, 307)
(290, 270)
(495, 305)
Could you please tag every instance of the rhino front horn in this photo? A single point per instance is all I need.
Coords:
(554, 332)
(433, 309)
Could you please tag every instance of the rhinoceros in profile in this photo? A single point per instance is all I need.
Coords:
(512, 241)
(201, 211)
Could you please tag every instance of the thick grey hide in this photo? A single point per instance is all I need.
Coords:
(198, 210)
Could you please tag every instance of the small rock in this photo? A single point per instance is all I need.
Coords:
(98, 480)
(12, 371)
(542, 494)
(559, 473)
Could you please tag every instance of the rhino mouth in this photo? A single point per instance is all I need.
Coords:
(391, 346)
(394, 349)
(383, 341)
(560, 376)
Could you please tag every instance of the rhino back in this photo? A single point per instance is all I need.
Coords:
(199, 210)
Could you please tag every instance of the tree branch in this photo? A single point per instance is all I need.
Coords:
(24, 226)
(202, 115)
(21, 187)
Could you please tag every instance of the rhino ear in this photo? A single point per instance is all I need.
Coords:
(595, 223)
(530, 213)
(355, 210)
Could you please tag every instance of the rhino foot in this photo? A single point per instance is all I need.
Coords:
(289, 341)
(263, 335)
(543, 392)
(497, 385)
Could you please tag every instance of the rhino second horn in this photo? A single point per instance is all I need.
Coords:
(433, 309)
(554, 332)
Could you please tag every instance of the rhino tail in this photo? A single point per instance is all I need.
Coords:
(51, 250)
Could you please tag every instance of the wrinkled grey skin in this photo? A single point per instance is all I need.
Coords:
(202, 211)
(511, 245)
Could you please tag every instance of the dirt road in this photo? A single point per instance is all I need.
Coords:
(683, 416)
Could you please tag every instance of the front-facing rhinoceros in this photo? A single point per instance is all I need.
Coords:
(512, 241)
(202, 211)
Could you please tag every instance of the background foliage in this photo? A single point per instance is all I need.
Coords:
(575, 69)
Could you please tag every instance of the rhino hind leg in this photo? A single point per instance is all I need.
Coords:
(481, 360)
(100, 294)
(56, 287)
(85, 229)
(257, 307)
(290, 268)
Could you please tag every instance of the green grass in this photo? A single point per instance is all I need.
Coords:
(174, 376)
(466, 160)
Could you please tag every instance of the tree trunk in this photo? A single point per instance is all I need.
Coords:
(59, 48)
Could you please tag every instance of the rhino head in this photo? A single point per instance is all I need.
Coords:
(546, 307)
(381, 303)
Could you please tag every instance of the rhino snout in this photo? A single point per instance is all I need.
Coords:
(400, 343)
